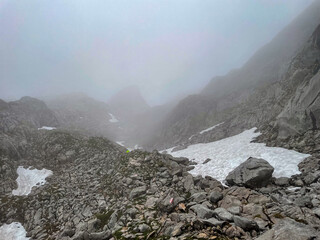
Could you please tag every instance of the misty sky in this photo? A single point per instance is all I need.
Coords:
(167, 47)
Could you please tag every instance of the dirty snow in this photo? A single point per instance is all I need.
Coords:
(113, 118)
(228, 153)
(47, 128)
(28, 178)
(13, 231)
(210, 128)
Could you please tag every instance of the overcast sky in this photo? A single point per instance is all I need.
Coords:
(167, 48)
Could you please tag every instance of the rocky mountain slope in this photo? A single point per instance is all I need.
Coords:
(254, 95)
(78, 112)
(99, 191)
(27, 110)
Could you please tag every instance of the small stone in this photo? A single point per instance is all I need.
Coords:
(144, 228)
(215, 196)
(245, 223)
(223, 214)
(136, 192)
(282, 181)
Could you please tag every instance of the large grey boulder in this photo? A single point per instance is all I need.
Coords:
(290, 229)
(252, 173)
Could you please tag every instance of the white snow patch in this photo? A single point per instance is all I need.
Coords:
(121, 143)
(137, 147)
(113, 118)
(47, 128)
(293, 189)
(13, 231)
(28, 178)
(210, 128)
(192, 136)
(228, 153)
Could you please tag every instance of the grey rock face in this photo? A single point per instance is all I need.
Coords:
(252, 173)
(290, 229)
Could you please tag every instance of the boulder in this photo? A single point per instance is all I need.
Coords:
(215, 196)
(202, 211)
(245, 223)
(199, 197)
(213, 222)
(223, 214)
(282, 181)
(136, 192)
(289, 229)
(252, 173)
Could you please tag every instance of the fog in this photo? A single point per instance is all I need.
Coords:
(166, 48)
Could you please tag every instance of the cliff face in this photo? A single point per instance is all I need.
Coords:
(28, 111)
(275, 87)
(302, 111)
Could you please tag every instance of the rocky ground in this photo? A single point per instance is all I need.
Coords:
(98, 191)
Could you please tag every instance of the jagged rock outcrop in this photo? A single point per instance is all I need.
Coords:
(27, 110)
